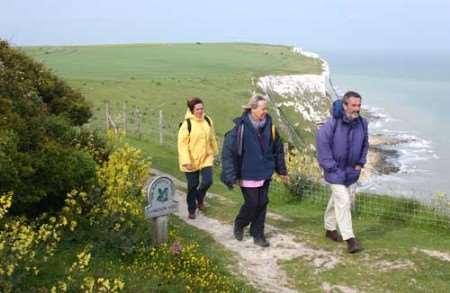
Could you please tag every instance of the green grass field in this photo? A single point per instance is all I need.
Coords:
(161, 77)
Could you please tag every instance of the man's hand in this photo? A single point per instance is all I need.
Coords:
(187, 166)
(358, 167)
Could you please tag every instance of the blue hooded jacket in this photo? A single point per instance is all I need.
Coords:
(244, 156)
(341, 145)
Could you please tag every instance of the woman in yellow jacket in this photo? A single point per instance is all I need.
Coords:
(197, 146)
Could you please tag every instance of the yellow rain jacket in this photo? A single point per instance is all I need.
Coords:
(198, 147)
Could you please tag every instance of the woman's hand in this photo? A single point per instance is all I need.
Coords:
(187, 166)
(284, 178)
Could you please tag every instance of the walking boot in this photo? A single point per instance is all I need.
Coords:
(261, 241)
(238, 232)
(333, 235)
(353, 245)
(201, 205)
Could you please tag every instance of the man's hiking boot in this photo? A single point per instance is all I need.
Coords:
(191, 216)
(333, 235)
(201, 205)
(261, 241)
(238, 232)
(353, 245)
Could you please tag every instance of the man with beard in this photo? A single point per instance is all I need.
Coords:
(342, 145)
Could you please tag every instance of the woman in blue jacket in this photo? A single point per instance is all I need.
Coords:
(252, 151)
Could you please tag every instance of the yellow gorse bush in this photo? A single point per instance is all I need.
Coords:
(5, 203)
(91, 285)
(303, 163)
(303, 170)
(88, 283)
(120, 204)
(124, 173)
(114, 210)
(26, 245)
(183, 265)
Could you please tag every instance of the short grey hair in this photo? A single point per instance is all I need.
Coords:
(350, 94)
(253, 102)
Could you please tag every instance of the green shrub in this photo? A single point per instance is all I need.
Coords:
(94, 143)
(39, 116)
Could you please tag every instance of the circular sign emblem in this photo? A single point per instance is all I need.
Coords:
(161, 192)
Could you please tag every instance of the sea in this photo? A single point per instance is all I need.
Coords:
(409, 92)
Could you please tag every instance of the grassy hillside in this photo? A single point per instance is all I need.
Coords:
(161, 77)
(166, 61)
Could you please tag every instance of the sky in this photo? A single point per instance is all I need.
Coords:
(316, 24)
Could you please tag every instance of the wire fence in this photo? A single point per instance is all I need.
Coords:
(390, 208)
(306, 181)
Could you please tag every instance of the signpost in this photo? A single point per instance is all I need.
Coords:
(160, 194)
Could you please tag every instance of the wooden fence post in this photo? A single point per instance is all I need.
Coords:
(138, 121)
(125, 116)
(106, 115)
(109, 119)
(286, 149)
(160, 231)
(161, 141)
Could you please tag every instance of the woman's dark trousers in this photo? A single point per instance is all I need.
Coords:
(253, 211)
(196, 190)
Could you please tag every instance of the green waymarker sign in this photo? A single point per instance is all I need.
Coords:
(160, 194)
(163, 194)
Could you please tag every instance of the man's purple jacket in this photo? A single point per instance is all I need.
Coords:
(341, 145)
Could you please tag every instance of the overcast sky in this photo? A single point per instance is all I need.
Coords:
(314, 24)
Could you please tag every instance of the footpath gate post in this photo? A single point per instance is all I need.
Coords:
(161, 140)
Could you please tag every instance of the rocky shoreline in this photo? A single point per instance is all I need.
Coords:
(382, 156)
(380, 161)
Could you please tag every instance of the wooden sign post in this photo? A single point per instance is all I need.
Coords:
(160, 194)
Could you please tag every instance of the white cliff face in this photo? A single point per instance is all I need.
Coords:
(286, 85)
(305, 93)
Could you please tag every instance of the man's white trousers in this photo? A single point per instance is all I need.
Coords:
(338, 214)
